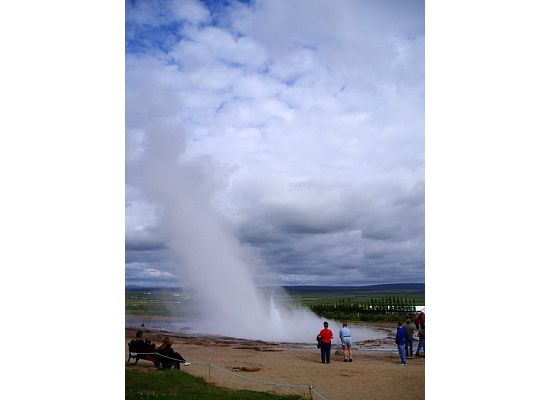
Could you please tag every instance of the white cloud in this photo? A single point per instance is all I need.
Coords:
(315, 113)
(192, 11)
(155, 273)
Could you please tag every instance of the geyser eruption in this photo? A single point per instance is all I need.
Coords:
(214, 262)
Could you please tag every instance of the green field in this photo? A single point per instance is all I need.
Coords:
(174, 384)
(311, 299)
(149, 302)
(380, 303)
(367, 303)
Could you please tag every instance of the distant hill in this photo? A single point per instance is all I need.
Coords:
(151, 288)
(373, 289)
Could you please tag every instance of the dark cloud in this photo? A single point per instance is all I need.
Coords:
(380, 242)
(147, 256)
(142, 245)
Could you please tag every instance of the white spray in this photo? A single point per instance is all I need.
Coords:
(214, 261)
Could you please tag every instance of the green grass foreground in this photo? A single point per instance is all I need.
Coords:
(174, 384)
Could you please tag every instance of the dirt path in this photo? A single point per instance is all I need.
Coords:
(371, 375)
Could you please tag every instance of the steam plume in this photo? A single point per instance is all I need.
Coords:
(214, 261)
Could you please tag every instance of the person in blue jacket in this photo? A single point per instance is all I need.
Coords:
(400, 341)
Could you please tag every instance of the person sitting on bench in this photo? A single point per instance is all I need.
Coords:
(139, 345)
(165, 349)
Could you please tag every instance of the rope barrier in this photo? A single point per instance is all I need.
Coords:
(318, 394)
(157, 354)
(310, 388)
(260, 381)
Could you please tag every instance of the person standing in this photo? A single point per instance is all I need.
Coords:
(400, 341)
(421, 339)
(409, 329)
(417, 321)
(345, 339)
(326, 336)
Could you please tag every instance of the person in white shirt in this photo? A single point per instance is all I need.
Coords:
(345, 338)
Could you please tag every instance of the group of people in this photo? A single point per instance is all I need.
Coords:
(405, 334)
(163, 357)
(324, 342)
(404, 339)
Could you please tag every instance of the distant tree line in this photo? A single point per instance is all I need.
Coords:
(365, 310)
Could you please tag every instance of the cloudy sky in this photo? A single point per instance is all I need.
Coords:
(306, 122)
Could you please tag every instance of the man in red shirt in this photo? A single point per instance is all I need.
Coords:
(325, 336)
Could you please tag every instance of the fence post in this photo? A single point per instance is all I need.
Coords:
(310, 394)
(209, 373)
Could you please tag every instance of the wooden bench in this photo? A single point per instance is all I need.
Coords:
(139, 346)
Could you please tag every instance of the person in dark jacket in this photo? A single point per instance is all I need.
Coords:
(165, 349)
(400, 341)
(421, 341)
(409, 329)
(141, 349)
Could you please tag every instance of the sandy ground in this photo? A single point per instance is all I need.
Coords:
(372, 374)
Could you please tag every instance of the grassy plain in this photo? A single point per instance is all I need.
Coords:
(354, 295)
(163, 302)
(174, 384)
(148, 302)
